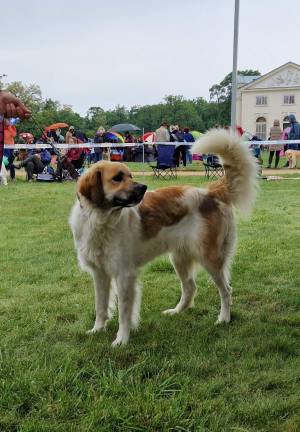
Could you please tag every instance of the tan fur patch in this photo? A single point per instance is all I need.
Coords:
(210, 211)
(160, 209)
(219, 190)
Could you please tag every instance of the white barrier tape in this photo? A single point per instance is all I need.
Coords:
(91, 145)
(279, 142)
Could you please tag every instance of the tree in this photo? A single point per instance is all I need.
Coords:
(221, 95)
(95, 117)
(30, 95)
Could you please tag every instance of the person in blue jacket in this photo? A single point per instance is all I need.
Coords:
(294, 133)
(188, 137)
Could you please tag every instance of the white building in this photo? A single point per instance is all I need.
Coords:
(261, 100)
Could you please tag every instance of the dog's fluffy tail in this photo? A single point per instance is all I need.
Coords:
(241, 169)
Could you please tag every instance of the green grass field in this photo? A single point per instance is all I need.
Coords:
(178, 373)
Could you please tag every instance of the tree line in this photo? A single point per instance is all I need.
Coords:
(197, 114)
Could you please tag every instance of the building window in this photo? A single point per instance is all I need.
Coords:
(261, 128)
(261, 100)
(286, 122)
(289, 100)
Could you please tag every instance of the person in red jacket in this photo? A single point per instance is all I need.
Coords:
(10, 133)
(10, 106)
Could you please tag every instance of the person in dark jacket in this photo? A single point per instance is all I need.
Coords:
(99, 139)
(188, 138)
(180, 151)
(81, 136)
(294, 133)
(35, 162)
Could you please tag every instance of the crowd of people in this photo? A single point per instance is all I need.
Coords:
(35, 161)
(292, 132)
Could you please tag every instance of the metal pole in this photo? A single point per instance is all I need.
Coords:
(234, 67)
(143, 153)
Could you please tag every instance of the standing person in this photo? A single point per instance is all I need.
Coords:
(275, 135)
(99, 139)
(128, 137)
(188, 138)
(10, 106)
(294, 133)
(127, 154)
(70, 138)
(80, 136)
(10, 133)
(162, 133)
(180, 151)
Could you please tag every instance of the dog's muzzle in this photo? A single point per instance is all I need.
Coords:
(134, 197)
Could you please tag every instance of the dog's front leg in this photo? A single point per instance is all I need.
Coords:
(126, 298)
(102, 290)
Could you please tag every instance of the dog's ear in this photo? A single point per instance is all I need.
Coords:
(91, 187)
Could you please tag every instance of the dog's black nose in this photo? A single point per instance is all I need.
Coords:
(140, 188)
(143, 188)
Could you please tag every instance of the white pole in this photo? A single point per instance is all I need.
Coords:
(234, 67)
(143, 153)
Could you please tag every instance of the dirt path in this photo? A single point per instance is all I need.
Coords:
(265, 172)
(185, 173)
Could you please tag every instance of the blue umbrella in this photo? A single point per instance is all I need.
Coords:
(124, 127)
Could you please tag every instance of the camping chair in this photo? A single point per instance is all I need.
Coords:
(165, 167)
(213, 169)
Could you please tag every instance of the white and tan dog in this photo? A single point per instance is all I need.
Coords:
(293, 156)
(118, 227)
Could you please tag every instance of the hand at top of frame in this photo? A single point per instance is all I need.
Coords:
(11, 106)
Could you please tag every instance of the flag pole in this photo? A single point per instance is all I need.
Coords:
(234, 66)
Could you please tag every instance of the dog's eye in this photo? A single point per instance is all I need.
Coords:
(118, 178)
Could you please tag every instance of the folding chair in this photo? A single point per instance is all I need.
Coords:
(165, 167)
(213, 169)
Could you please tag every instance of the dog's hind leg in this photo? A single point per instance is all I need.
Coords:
(184, 268)
(102, 294)
(126, 291)
(221, 278)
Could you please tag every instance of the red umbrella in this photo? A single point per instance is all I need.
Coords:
(149, 137)
(55, 126)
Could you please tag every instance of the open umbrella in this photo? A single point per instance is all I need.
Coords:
(114, 136)
(55, 126)
(149, 137)
(124, 127)
(196, 134)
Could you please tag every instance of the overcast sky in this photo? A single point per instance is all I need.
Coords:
(134, 52)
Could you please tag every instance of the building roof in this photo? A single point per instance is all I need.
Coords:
(262, 78)
(246, 79)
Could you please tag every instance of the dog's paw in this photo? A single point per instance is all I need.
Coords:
(95, 329)
(171, 311)
(119, 342)
(121, 339)
(222, 319)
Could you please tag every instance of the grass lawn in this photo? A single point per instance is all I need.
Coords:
(178, 373)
